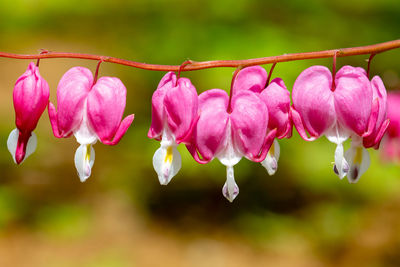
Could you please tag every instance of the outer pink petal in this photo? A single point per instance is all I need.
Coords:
(72, 91)
(277, 99)
(210, 130)
(123, 127)
(157, 105)
(249, 123)
(30, 97)
(250, 78)
(105, 107)
(313, 100)
(353, 99)
(298, 123)
(181, 106)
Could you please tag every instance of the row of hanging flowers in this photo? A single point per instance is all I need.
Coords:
(247, 122)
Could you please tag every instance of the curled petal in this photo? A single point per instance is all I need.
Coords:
(166, 162)
(298, 123)
(123, 127)
(251, 78)
(313, 102)
(84, 160)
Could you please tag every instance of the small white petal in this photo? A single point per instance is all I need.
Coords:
(12, 142)
(270, 163)
(84, 134)
(359, 161)
(84, 160)
(167, 162)
(230, 189)
(341, 167)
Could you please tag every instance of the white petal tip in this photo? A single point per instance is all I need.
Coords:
(166, 162)
(230, 193)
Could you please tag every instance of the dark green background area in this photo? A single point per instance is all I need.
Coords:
(302, 216)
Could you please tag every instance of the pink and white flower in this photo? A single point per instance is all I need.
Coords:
(91, 110)
(351, 107)
(229, 132)
(276, 97)
(174, 113)
(30, 98)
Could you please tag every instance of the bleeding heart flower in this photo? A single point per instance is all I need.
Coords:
(30, 97)
(345, 110)
(277, 99)
(91, 111)
(231, 132)
(174, 113)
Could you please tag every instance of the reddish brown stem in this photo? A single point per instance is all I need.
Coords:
(96, 75)
(334, 71)
(229, 109)
(270, 74)
(352, 51)
(369, 63)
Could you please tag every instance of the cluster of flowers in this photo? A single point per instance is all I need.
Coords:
(246, 123)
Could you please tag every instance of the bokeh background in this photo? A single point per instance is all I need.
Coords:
(302, 216)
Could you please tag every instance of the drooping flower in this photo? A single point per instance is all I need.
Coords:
(391, 144)
(277, 99)
(348, 108)
(91, 111)
(174, 113)
(229, 132)
(30, 97)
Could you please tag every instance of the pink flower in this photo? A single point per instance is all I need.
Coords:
(91, 111)
(351, 109)
(391, 145)
(30, 96)
(277, 99)
(229, 133)
(174, 113)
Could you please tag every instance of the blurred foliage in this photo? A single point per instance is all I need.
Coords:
(303, 215)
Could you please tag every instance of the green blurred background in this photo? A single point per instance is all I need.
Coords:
(302, 216)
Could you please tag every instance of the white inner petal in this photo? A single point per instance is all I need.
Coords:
(84, 134)
(84, 160)
(270, 163)
(12, 142)
(230, 190)
(341, 165)
(358, 159)
(166, 160)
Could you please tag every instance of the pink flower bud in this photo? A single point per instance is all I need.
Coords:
(30, 97)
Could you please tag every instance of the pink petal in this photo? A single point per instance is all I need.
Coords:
(123, 127)
(251, 78)
(353, 99)
(210, 130)
(72, 91)
(30, 97)
(105, 107)
(157, 105)
(249, 123)
(181, 105)
(298, 123)
(313, 101)
(277, 99)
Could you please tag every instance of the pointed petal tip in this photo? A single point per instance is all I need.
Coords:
(230, 194)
